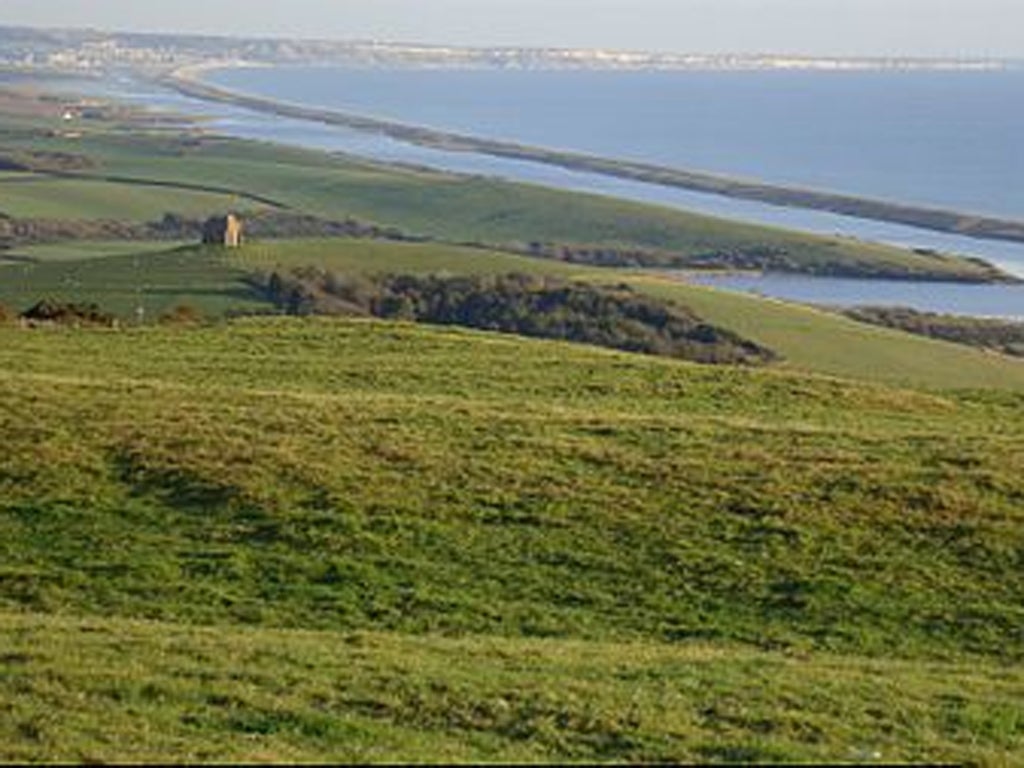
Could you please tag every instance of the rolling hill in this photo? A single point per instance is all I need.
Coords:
(460, 495)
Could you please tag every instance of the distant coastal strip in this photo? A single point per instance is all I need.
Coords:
(187, 82)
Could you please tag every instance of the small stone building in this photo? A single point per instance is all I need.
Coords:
(223, 230)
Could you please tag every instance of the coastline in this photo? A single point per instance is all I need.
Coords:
(188, 81)
(947, 266)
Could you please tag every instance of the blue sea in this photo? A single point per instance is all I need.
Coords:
(947, 139)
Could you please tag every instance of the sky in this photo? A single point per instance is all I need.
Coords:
(947, 28)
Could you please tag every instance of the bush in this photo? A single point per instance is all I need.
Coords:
(58, 313)
(182, 314)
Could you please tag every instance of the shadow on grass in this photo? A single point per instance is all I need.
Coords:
(177, 487)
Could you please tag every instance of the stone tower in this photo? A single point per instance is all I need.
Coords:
(223, 230)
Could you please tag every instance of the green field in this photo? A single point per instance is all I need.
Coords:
(769, 576)
(807, 338)
(816, 340)
(312, 539)
(121, 284)
(159, 277)
(80, 250)
(384, 257)
(39, 197)
(102, 690)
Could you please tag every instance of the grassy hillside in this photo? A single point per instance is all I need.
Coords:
(80, 250)
(381, 257)
(816, 340)
(443, 488)
(255, 695)
(41, 197)
(746, 558)
(1005, 336)
(216, 282)
(806, 338)
(122, 283)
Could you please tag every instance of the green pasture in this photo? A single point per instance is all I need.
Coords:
(816, 340)
(463, 482)
(311, 539)
(67, 198)
(107, 690)
(387, 257)
(808, 339)
(80, 250)
(155, 281)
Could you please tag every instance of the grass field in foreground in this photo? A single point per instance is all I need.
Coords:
(459, 481)
(508, 549)
(91, 690)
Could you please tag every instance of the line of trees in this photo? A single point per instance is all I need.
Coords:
(999, 335)
(752, 257)
(527, 305)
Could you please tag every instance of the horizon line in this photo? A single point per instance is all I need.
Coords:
(654, 53)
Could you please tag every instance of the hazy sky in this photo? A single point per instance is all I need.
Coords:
(852, 27)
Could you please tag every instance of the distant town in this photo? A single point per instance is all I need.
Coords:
(94, 52)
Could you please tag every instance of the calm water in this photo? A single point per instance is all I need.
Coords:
(948, 139)
(1003, 301)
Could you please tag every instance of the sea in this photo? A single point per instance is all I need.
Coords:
(946, 139)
